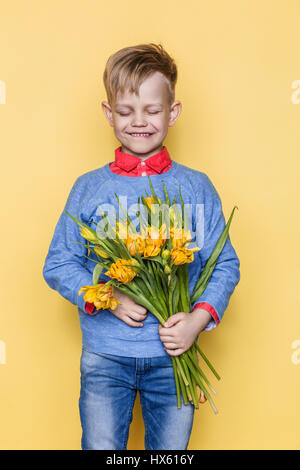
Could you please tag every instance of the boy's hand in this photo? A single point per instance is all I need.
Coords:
(129, 311)
(180, 331)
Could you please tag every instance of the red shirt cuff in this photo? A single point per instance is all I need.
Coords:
(90, 308)
(209, 308)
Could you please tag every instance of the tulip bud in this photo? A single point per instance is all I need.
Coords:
(88, 234)
(172, 215)
(134, 262)
(168, 269)
(166, 254)
(101, 253)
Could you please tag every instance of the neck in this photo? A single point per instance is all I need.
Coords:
(142, 156)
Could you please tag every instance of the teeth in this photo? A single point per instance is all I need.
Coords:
(135, 135)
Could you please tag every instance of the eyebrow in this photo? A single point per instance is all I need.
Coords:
(146, 106)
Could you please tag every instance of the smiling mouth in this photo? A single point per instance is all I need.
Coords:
(140, 134)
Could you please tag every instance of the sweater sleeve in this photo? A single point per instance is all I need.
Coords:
(64, 268)
(226, 273)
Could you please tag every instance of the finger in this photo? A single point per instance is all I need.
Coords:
(131, 322)
(166, 331)
(175, 352)
(143, 314)
(136, 316)
(140, 309)
(170, 345)
(165, 338)
(174, 319)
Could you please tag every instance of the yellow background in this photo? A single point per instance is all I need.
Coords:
(237, 62)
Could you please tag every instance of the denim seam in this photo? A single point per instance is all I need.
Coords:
(128, 421)
(144, 408)
(82, 384)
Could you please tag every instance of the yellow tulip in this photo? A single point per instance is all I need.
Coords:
(122, 229)
(130, 244)
(183, 255)
(155, 242)
(154, 233)
(120, 272)
(100, 295)
(179, 236)
(151, 250)
(150, 200)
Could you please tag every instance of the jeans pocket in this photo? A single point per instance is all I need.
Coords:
(89, 360)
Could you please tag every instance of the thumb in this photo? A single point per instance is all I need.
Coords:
(174, 319)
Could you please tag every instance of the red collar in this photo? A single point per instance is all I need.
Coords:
(130, 165)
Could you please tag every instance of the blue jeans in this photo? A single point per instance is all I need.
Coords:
(108, 390)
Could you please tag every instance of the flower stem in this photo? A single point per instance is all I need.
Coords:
(181, 371)
(183, 389)
(176, 383)
(207, 361)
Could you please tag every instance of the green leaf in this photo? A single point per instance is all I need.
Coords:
(96, 273)
(146, 207)
(183, 287)
(81, 224)
(211, 262)
(127, 216)
(143, 221)
(182, 205)
(153, 192)
(166, 194)
(175, 298)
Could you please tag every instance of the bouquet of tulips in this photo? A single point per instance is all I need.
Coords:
(150, 266)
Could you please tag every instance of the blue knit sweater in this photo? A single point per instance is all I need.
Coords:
(66, 267)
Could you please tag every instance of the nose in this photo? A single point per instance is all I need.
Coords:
(138, 120)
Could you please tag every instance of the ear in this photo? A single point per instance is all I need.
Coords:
(175, 111)
(107, 112)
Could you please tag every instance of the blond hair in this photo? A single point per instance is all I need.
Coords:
(130, 66)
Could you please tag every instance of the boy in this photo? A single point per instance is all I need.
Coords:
(126, 349)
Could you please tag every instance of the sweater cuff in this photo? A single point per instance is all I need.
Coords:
(90, 308)
(210, 309)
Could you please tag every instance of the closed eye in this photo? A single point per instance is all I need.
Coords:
(127, 114)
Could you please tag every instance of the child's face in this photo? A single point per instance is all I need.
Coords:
(147, 113)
